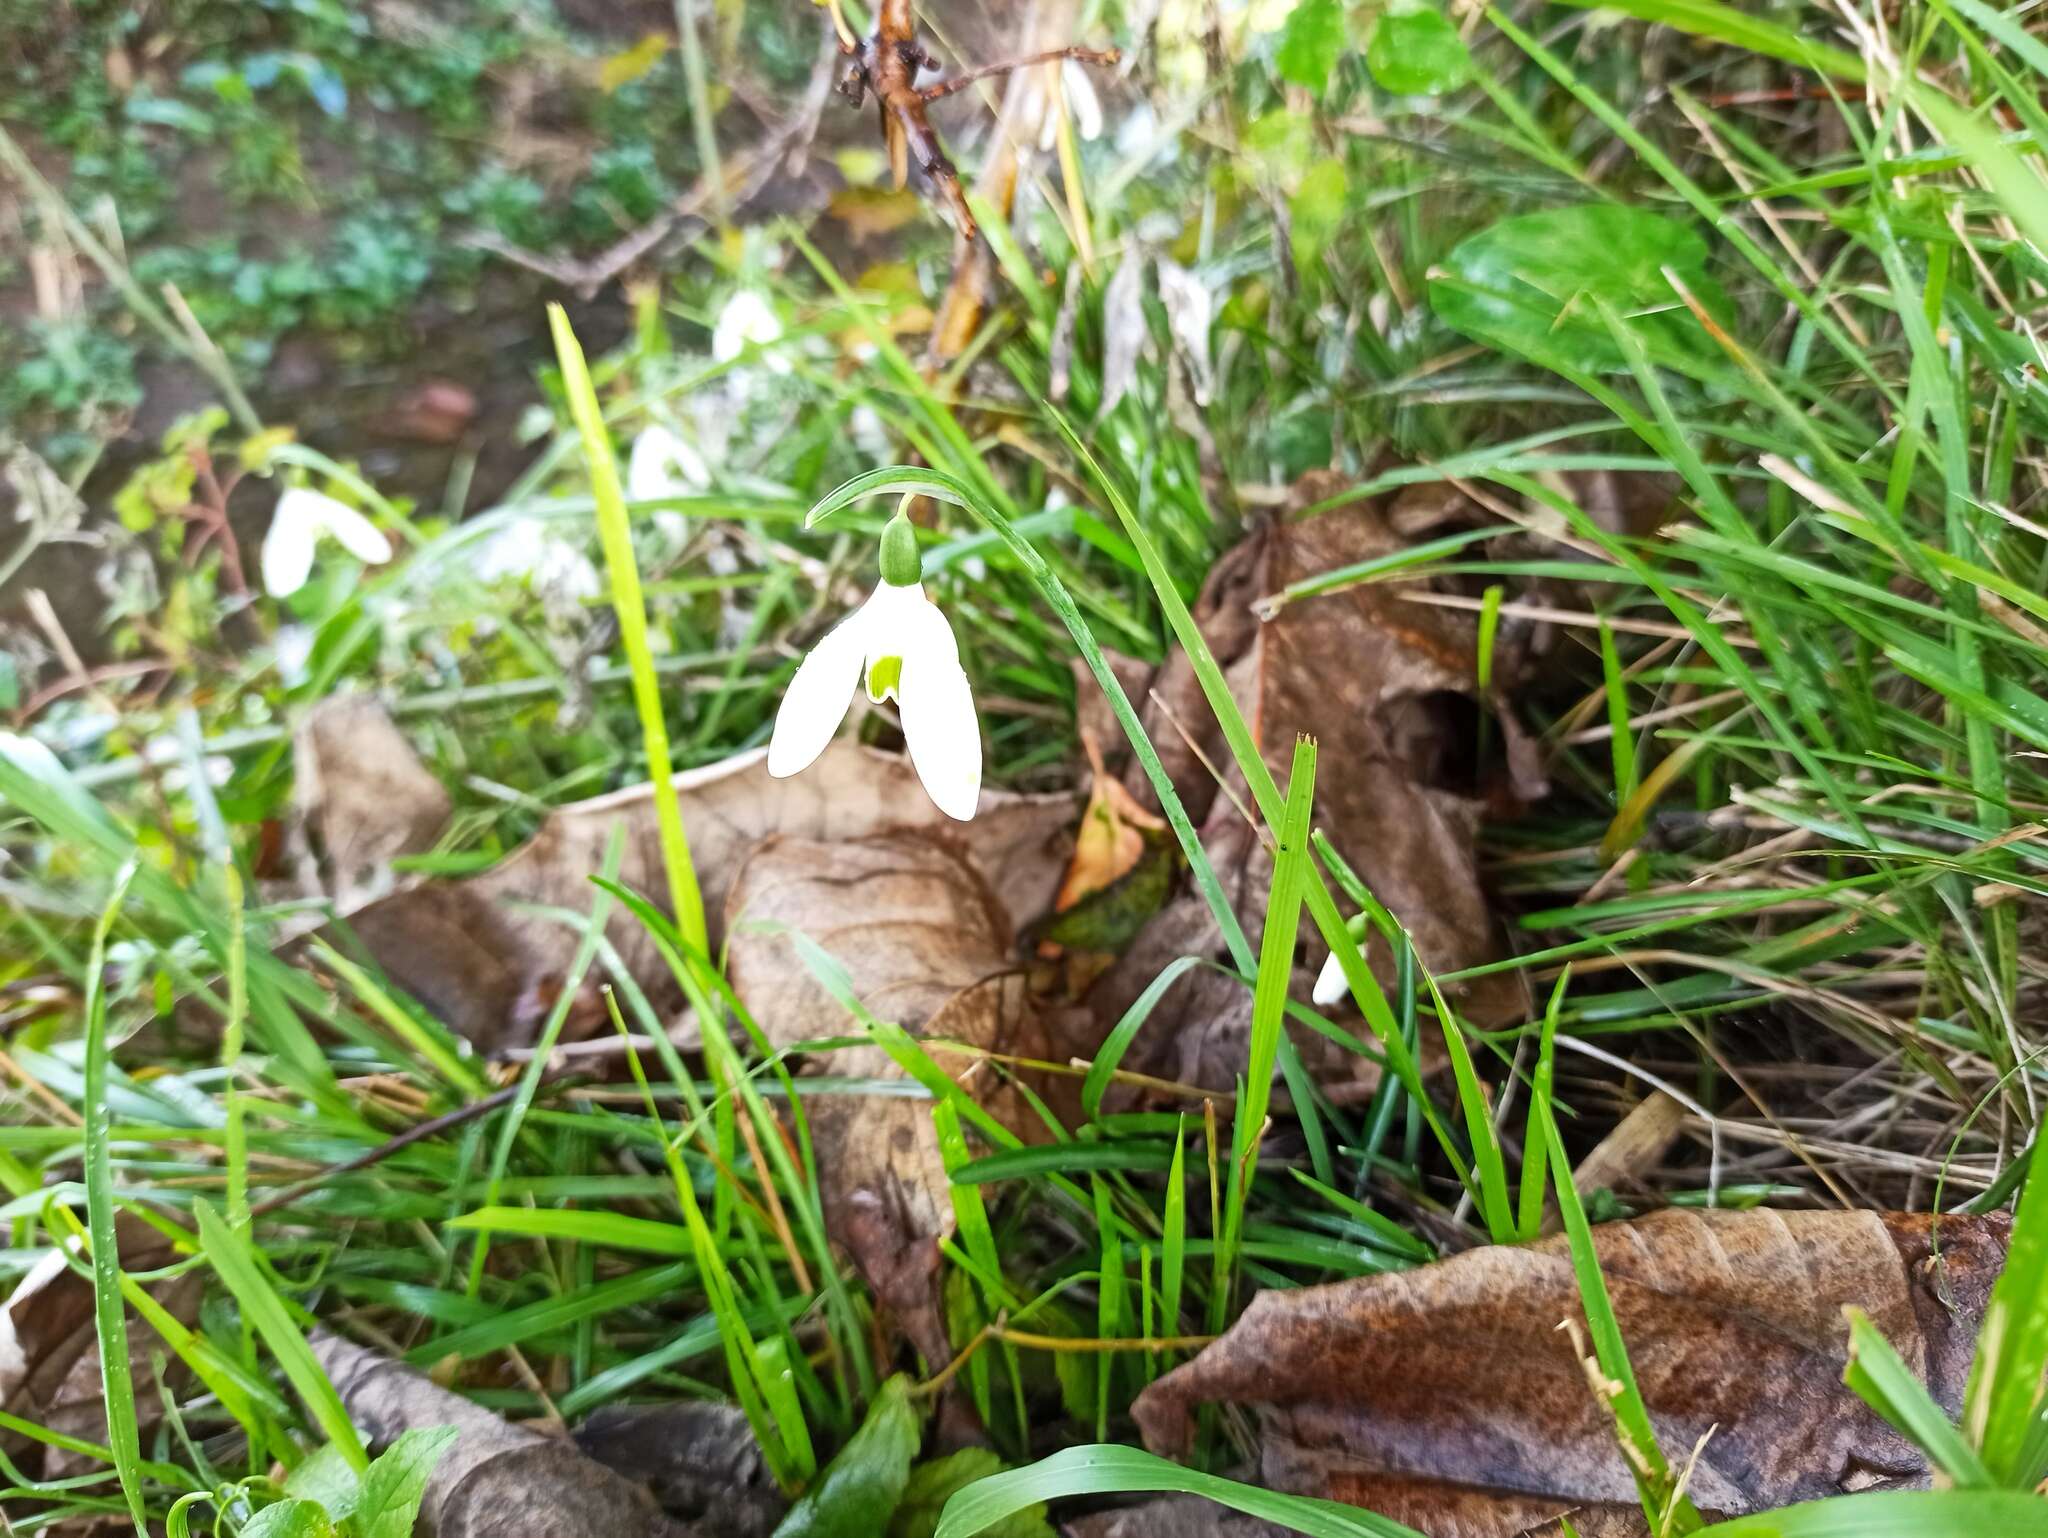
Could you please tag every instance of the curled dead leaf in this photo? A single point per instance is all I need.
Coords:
(472, 949)
(1389, 689)
(926, 943)
(1447, 1398)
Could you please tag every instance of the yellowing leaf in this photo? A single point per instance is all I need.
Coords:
(870, 211)
(257, 448)
(1112, 836)
(622, 69)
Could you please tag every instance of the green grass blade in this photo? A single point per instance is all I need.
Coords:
(1291, 867)
(1112, 1470)
(234, 1261)
(2003, 1409)
(1900, 1514)
(110, 1319)
(1885, 1383)
(1664, 1504)
(685, 899)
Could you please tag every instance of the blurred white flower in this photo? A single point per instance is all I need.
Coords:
(870, 433)
(292, 650)
(747, 318)
(663, 465)
(903, 646)
(302, 517)
(1190, 312)
(1082, 105)
(527, 549)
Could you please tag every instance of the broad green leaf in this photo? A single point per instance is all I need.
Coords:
(861, 1488)
(937, 1481)
(1532, 284)
(326, 1478)
(394, 1484)
(1311, 44)
(1417, 53)
(291, 1519)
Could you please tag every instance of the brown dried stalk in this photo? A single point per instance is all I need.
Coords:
(887, 65)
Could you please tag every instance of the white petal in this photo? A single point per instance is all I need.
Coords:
(663, 465)
(745, 318)
(359, 537)
(906, 622)
(1082, 100)
(818, 696)
(940, 730)
(1330, 985)
(292, 650)
(288, 544)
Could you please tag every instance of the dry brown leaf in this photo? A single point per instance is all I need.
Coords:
(49, 1351)
(362, 795)
(1386, 687)
(466, 950)
(926, 944)
(1447, 1397)
(495, 1480)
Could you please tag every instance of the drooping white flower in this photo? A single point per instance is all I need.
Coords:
(747, 318)
(1330, 985)
(302, 517)
(902, 645)
(662, 465)
(1082, 104)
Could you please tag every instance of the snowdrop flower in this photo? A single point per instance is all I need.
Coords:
(663, 465)
(747, 318)
(302, 517)
(1330, 986)
(1082, 104)
(526, 548)
(903, 646)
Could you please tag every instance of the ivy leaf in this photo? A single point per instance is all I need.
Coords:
(1311, 44)
(1417, 53)
(1533, 284)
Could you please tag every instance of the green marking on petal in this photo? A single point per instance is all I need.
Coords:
(884, 675)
